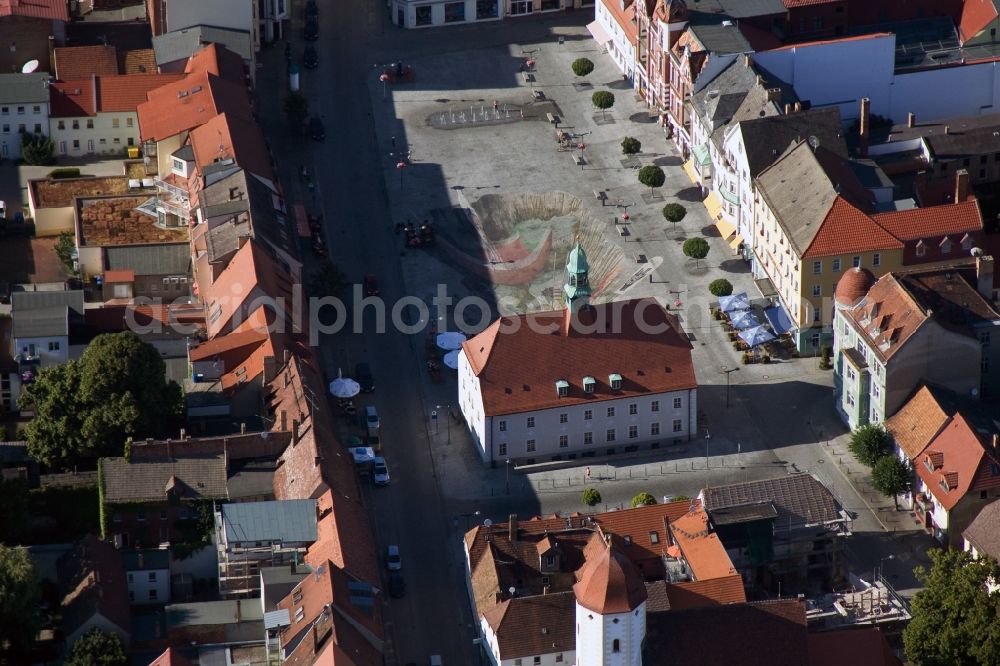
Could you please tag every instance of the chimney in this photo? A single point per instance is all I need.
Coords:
(286, 356)
(961, 185)
(512, 527)
(270, 369)
(798, 107)
(170, 450)
(911, 119)
(243, 428)
(295, 431)
(548, 588)
(947, 129)
(788, 109)
(760, 80)
(183, 436)
(773, 94)
(283, 420)
(996, 441)
(239, 611)
(984, 277)
(863, 129)
(746, 59)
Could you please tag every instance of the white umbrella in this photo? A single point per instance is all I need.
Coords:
(451, 359)
(344, 387)
(450, 340)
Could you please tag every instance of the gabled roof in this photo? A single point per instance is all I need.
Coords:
(192, 477)
(984, 531)
(41, 323)
(228, 136)
(195, 41)
(72, 99)
(710, 592)
(164, 259)
(888, 316)
(137, 61)
(853, 645)
(766, 139)
(22, 301)
(932, 221)
(917, 422)
(24, 88)
(170, 658)
(539, 624)
(976, 16)
(82, 62)
(519, 359)
(847, 229)
(125, 92)
(91, 581)
(250, 268)
(957, 455)
(56, 10)
(185, 104)
(218, 60)
(700, 546)
(609, 583)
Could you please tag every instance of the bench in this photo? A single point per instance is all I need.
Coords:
(601, 196)
(538, 94)
(529, 77)
(639, 258)
(553, 119)
(579, 160)
(623, 231)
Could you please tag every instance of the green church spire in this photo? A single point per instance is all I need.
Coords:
(577, 287)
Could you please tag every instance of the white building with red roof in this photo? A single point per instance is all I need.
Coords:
(586, 380)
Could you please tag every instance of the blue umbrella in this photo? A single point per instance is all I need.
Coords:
(735, 302)
(756, 336)
(744, 319)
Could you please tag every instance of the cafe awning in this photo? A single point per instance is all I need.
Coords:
(725, 227)
(598, 32)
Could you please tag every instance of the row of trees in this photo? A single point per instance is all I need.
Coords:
(871, 445)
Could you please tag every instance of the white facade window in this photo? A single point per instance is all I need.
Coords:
(633, 409)
(90, 123)
(678, 403)
(678, 425)
(610, 435)
(817, 267)
(654, 406)
(633, 432)
(588, 414)
(564, 417)
(529, 446)
(503, 449)
(531, 421)
(115, 123)
(876, 259)
(611, 412)
(502, 426)
(836, 266)
(654, 429)
(817, 290)
(588, 438)
(563, 441)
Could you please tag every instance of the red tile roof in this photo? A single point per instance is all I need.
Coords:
(956, 454)
(170, 658)
(227, 136)
(185, 104)
(533, 625)
(838, 40)
(125, 92)
(864, 646)
(710, 592)
(138, 61)
(519, 359)
(623, 12)
(609, 583)
(640, 524)
(848, 229)
(700, 546)
(219, 61)
(127, 275)
(73, 99)
(81, 62)
(976, 15)
(917, 422)
(853, 286)
(250, 275)
(932, 221)
(891, 312)
(57, 10)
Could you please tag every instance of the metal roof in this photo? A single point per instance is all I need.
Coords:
(44, 323)
(162, 259)
(287, 521)
(39, 300)
(24, 88)
(182, 44)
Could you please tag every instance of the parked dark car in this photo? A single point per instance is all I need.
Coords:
(312, 9)
(363, 376)
(316, 130)
(310, 58)
(397, 586)
(311, 32)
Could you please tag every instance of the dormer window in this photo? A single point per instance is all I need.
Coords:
(562, 388)
(654, 537)
(944, 485)
(921, 248)
(966, 242)
(178, 166)
(615, 380)
(589, 383)
(945, 246)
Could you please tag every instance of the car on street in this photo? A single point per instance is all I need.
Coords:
(397, 586)
(362, 454)
(393, 562)
(312, 9)
(380, 471)
(3, 210)
(371, 420)
(310, 57)
(311, 30)
(371, 285)
(363, 376)
(316, 129)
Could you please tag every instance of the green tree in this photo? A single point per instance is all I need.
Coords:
(20, 595)
(89, 407)
(36, 149)
(97, 648)
(695, 248)
(296, 108)
(65, 249)
(582, 66)
(720, 287)
(631, 145)
(890, 476)
(652, 177)
(603, 100)
(674, 212)
(643, 499)
(591, 496)
(327, 280)
(956, 620)
(869, 442)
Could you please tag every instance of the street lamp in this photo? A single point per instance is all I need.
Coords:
(448, 407)
(385, 85)
(400, 167)
(508, 476)
(879, 570)
(728, 371)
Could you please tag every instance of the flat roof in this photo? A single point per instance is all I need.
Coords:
(115, 220)
(929, 42)
(288, 521)
(60, 192)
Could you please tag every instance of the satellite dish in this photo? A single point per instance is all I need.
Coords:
(29, 67)
(977, 252)
(488, 522)
(813, 141)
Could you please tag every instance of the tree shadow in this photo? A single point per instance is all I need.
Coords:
(618, 84)
(641, 117)
(734, 266)
(691, 194)
(667, 161)
(710, 230)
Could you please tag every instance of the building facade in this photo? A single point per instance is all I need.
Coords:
(602, 379)
(24, 108)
